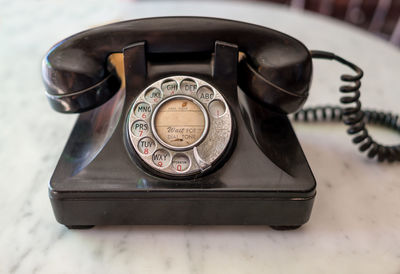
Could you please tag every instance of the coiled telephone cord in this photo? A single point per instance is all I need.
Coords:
(353, 116)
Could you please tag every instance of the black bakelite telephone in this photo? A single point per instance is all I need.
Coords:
(170, 139)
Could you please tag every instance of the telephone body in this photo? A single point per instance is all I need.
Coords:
(172, 140)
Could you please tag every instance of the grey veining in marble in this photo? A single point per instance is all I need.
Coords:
(355, 225)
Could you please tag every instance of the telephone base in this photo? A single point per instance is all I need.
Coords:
(241, 192)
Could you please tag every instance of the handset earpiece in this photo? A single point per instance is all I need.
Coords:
(70, 89)
(278, 88)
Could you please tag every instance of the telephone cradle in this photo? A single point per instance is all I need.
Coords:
(166, 137)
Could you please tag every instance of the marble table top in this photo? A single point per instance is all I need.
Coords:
(355, 224)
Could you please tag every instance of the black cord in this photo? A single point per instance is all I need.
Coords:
(353, 116)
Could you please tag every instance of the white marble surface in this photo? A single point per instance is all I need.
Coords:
(355, 225)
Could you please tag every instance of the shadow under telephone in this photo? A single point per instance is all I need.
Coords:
(170, 139)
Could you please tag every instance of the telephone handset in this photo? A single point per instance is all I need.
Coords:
(171, 140)
(276, 69)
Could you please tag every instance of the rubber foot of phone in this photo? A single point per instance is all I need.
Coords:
(79, 226)
(285, 227)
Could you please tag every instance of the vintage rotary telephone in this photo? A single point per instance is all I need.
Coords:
(170, 139)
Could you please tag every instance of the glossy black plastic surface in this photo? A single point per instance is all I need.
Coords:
(277, 70)
(264, 178)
